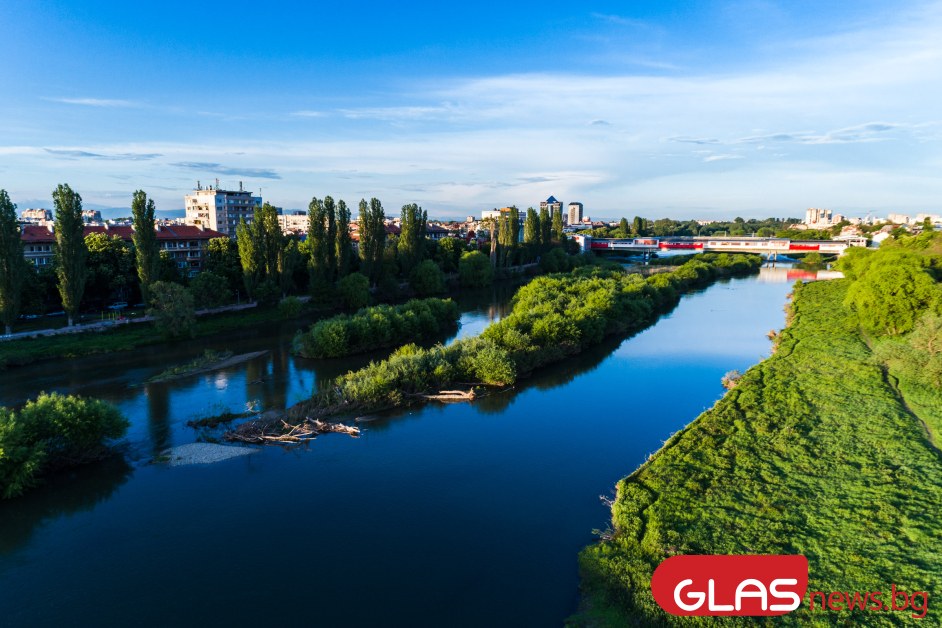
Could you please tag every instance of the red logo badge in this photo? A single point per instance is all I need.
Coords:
(730, 585)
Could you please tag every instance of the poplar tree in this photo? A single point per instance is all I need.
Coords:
(330, 242)
(531, 227)
(638, 226)
(146, 251)
(558, 225)
(71, 251)
(546, 228)
(343, 239)
(317, 244)
(12, 263)
(248, 256)
(412, 238)
(372, 237)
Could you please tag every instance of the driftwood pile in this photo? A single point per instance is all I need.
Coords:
(282, 432)
(449, 395)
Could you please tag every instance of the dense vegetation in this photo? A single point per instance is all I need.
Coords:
(52, 432)
(377, 327)
(819, 450)
(553, 317)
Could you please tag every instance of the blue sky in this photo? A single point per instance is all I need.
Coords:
(688, 110)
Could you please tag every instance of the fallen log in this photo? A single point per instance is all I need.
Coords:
(264, 432)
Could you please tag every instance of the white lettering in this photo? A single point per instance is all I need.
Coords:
(773, 589)
(760, 592)
(699, 597)
(713, 606)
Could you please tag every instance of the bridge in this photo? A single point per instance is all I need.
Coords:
(765, 246)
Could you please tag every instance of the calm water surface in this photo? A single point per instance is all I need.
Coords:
(440, 515)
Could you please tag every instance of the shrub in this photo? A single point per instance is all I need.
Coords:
(376, 327)
(209, 290)
(50, 432)
(475, 270)
(172, 309)
(427, 279)
(267, 292)
(354, 291)
(290, 307)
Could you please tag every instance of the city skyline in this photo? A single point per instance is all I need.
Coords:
(729, 108)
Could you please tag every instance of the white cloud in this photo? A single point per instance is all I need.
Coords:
(95, 102)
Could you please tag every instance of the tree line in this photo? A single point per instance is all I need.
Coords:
(261, 263)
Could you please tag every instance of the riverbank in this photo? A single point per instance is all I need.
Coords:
(814, 452)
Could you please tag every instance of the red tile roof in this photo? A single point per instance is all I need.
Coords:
(37, 233)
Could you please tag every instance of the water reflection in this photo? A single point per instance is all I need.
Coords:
(80, 489)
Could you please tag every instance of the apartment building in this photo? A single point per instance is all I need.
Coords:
(220, 210)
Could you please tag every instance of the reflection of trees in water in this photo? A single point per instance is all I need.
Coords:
(63, 494)
(158, 416)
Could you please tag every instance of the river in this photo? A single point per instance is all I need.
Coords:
(462, 514)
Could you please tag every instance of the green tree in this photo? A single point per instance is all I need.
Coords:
(344, 248)
(70, 249)
(475, 270)
(892, 293)
(449, 253)
(266, 231)
(372, 238)
(222, 258)
(146, 251)
(546, 228)
(624, 227)
(354, 290)
(318, 245)
(427, 279)
(172, 309)
(248, 256)
(289, 259)
(531, 227)
(330, 210)
(110, 266)
(209, 290)
(12, 264)
(558, 225)
(412, 238)
(638, 226)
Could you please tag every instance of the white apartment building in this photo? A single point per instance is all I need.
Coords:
(293, 221)
(220, 210)
(815, 217)
(574, 213)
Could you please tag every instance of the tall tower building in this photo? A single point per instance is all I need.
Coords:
(574, 213)
(552, 206)
(221, 210)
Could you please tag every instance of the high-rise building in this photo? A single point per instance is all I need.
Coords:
(574, 213)
(552, 205)
(815, 217)
(220, 210)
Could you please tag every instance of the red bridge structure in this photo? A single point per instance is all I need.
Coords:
(765, 246)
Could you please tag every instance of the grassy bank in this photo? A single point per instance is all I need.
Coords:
(28, 350)
(819, 450)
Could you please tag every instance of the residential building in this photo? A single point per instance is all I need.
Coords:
(435, 232)
(40, 216)
(220, 210)
(90, 216)
(815, 217)
(574, 213)
(38, 243)
(293, 221)
(185, 244)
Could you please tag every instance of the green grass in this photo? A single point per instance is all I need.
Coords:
(28, 350)
(206, 360)
(814, 452)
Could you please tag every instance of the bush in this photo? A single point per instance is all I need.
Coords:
(354, 291)
(427, 279)
(376, 327)
(290, 307)
(475, 270)
(210, 290)
(51, 432)
(172, 309)
(267, 292)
